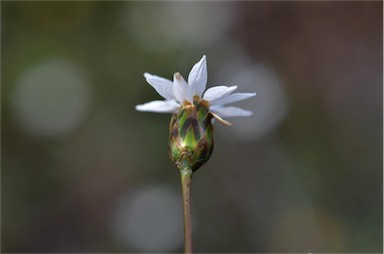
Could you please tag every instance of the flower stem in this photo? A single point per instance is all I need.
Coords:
(186, 178)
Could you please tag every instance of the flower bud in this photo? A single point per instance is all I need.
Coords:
(191, 136)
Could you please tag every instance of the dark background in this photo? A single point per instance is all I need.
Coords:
(82, 171)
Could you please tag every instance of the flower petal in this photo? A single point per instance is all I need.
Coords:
(182, 91)
(159, 106)
(197, 77)
(221, 120)
(233, 98)
(231, 112)
(218, 92)
(163, 86)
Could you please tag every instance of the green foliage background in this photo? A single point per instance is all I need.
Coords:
(311, 183)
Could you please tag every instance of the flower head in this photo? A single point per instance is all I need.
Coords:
(191, 139)
(180, 93)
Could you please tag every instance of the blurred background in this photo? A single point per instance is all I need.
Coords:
(82, 171)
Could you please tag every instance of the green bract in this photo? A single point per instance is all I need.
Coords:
(191, 135)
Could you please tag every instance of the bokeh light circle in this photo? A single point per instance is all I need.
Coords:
(170, 25)
(150, 220)
(51, 98)
(269, 107)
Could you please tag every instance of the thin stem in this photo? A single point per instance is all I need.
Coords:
(186, 178)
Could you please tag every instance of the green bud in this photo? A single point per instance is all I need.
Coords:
(191, 136)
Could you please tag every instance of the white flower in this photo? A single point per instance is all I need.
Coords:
(180, 93)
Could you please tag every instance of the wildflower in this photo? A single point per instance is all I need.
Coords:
(191, 140)
(191, 130)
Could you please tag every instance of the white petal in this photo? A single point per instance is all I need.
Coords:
(197, 77)
(182, 91)
(231, 112)
(217, 92)
(233, 98)
(159, 106)
(163, 86)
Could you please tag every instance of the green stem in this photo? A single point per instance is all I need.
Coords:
(186, 178)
